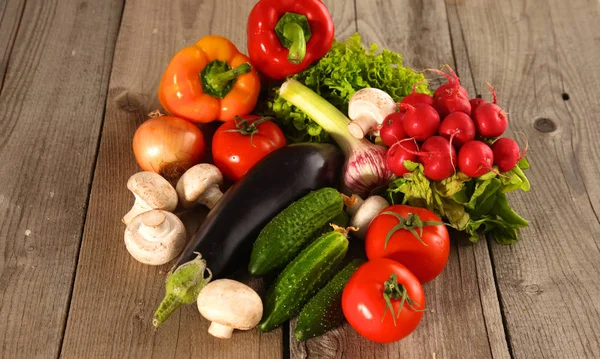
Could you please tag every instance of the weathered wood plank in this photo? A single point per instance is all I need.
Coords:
(51, 109)
(464, 317)
(115, 296)
(11, 12)
(541, 57)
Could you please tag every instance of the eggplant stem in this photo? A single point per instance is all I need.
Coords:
(182, 287)
(168, 305)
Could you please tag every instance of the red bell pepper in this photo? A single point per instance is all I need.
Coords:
(287, 36)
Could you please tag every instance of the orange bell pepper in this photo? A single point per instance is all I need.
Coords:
(209, 80)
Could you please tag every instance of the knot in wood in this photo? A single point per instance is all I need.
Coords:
(545, 125)
(129, 101)
(532, 289)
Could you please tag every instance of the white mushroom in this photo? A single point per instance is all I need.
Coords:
(363, 212)
(367, 108)
(155, 237)
(151, 191)
(200, 184)
(229, 305)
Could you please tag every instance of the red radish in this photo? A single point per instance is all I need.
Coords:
(450, 97)
(421, 121)
(414, 97)
(475, 159)
(401, 151)
(437, 157)
(392, 129)
(490, 119)
(476, 102)
(458, 128)
(506, 154)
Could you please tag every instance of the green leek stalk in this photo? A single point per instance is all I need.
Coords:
(365, 168)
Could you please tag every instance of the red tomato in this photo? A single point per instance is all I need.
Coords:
(239, 144)
(427, 257)
(365, 307)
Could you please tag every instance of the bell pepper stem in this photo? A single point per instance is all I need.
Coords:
(218, 77)
(295, 34)
(224, 77)
(293, 31)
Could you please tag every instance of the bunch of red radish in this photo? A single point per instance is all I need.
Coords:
(432, 130)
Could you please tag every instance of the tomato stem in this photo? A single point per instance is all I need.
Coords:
(393, 290)
(246, 128)
(409, 223)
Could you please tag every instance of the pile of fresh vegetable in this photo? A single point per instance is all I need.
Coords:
(365, 131)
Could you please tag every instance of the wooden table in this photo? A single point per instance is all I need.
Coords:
(77, 77)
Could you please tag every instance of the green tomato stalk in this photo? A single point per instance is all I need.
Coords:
(365, 168)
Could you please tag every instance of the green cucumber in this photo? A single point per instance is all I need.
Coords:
(285, 236)
(302, 278)
(324, 311)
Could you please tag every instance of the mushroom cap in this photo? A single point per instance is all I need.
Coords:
(372, 102)
(365, 214)
(153, 190)
(155, 237)
(230, 303)
(195, 181)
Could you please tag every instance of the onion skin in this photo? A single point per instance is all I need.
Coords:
(168, 146)
(366, 169)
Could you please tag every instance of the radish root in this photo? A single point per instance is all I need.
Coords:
(456, 132)
(399, 143)
(524, 152)
(442, 73)
(493, 93)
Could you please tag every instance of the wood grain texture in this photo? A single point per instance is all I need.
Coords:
(464, 318)
(535, 53)
(11, 13)
(114, 296)
(51, 110)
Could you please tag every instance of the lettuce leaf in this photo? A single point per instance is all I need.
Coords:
(346, 68)
(477, 206)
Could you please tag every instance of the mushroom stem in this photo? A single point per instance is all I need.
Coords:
(155, 237)
(210, 198)
(154, 226)
(182, 287)
(220, 330)
(138, 208)
(362, 125)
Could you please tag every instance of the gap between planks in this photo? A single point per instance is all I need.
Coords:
(89, 191)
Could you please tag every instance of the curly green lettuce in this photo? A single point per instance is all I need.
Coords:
(477, 206)
(347, 68)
